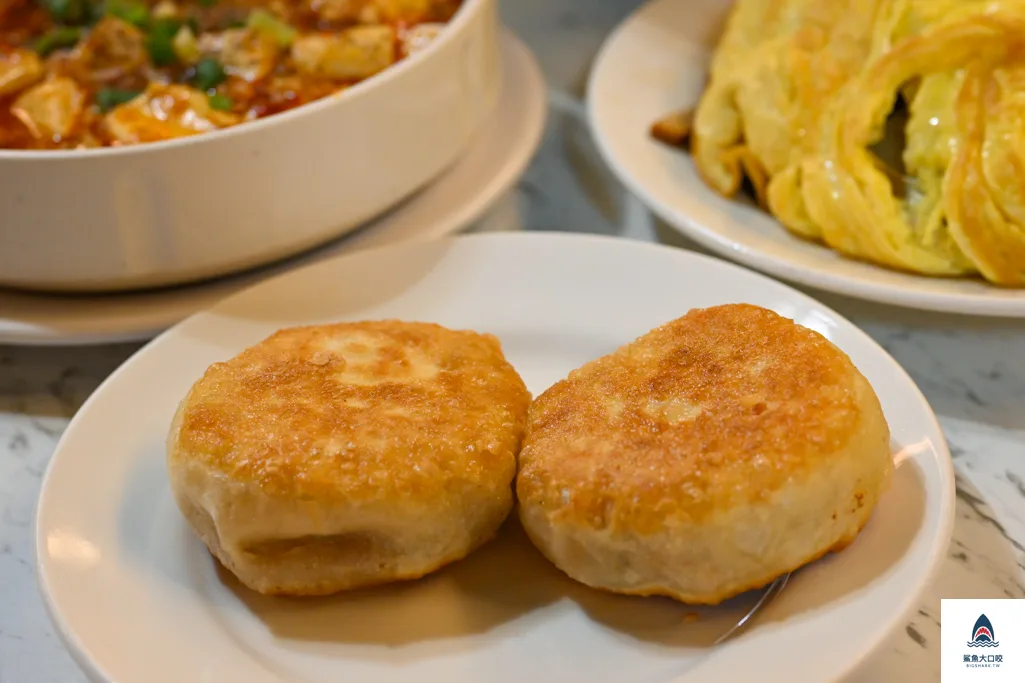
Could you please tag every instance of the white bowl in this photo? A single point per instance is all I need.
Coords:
(182, 210)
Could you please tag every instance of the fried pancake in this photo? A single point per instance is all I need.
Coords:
(704, 459)
(334, 457)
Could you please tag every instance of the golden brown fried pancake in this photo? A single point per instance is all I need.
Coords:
(333, 457)
(704, 459)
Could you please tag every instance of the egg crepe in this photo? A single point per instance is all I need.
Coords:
(887, 129)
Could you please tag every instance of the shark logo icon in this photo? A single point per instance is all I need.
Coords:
(983, 634)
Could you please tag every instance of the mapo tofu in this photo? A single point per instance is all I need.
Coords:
(95, 73)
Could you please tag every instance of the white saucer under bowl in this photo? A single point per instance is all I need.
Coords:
(655, 63)
(466, 195)
(138, 598)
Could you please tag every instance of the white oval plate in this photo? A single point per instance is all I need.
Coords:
(458, 198)
(139, 600)
(656, 63)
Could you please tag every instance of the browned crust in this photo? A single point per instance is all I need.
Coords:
(369, 411)
(715, 410)
(674, 129)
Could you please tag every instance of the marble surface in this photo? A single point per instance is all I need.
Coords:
(972, 371)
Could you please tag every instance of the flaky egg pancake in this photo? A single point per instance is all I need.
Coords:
(887, 129)
(339, 456)
(774, 72)
(704, 459)
(961, 152)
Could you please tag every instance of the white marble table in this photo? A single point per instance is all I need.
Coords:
(972, 372)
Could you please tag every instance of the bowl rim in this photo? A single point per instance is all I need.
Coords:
(467, 10)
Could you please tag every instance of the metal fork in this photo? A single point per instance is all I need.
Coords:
(774, 589)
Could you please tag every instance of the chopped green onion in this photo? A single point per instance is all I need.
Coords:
(266, 23)
(67, 11)
(161, 41)
(221, 102)
(132, 11)
(61, 36)
(108, 98)
(209, 74)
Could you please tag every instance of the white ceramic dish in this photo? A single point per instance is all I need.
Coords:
(473, 193)
(655, 63)
(197, 207)
(139, 600)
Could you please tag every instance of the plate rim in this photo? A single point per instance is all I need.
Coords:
(819, 278)
(473, 208)
(943, 459)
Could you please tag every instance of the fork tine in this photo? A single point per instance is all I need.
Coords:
(770, 593)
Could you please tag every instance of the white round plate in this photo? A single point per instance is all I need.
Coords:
(139, 600)
(655, 63)
(460, 197)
